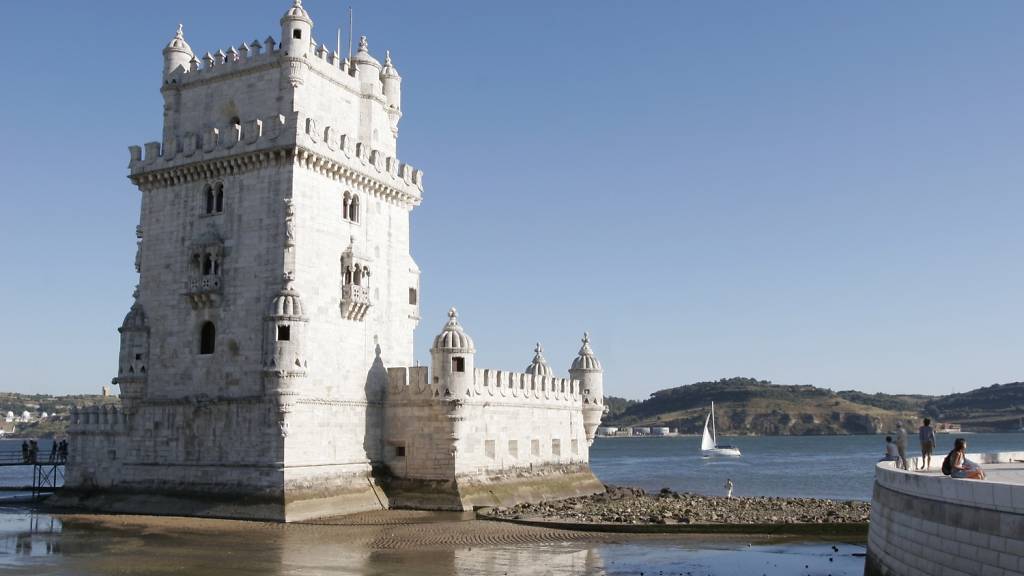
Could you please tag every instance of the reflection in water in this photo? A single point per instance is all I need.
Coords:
(38, 544)
(24, 532)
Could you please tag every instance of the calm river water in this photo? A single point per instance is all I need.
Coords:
(35, 543)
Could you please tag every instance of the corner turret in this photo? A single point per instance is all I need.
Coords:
(367, 67)
(134, 355)
(452, 358)
(587, 369)
(296, 31)
(177, 54)
(539, 366)
(392, 83)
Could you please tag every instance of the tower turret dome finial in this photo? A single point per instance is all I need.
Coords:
(539, 366)
(586, 360)
(363, 57)
(452, 336)
(177, 53)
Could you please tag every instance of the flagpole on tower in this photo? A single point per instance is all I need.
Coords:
(350, 33)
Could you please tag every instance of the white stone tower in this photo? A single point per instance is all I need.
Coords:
(275, 279)
(266, 364)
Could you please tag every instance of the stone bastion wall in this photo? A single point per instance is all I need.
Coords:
(928, 524)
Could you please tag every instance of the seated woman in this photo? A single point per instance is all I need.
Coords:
(892, 453)
(961, 466)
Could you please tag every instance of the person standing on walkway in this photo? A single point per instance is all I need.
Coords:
(901, 445)
(927, 437)
(728, 487)
(53, 451)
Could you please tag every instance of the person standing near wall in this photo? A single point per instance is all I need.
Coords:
(901, 445)
(927, 437)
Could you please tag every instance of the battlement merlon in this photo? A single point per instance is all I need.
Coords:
(297, 55)
(101, 419)
(411, 383)
(313, 144)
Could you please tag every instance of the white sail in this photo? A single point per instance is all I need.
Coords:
(707, 443)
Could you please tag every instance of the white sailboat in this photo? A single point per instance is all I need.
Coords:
(709, 443)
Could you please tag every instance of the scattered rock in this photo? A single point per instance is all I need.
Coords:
(629, 505)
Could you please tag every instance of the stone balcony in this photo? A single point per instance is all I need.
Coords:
(355, 302)
(204, 291)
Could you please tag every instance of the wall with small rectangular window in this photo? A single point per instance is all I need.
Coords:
(489, 449)
(458, 364)
(513, 448)
(556, 447)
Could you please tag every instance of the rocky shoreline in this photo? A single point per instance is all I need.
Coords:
(626, 505)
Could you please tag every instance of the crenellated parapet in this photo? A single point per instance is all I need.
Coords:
(326, 149)
(223, 62)
(315, 145)
(97, 420)
(491, 386)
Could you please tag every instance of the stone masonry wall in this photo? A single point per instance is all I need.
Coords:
(927, 525)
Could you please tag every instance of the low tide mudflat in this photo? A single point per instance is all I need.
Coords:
(408, 543)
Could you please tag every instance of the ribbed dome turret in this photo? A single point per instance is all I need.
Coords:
(178, 42)
(452, 336)
(389, 70)
(296, 12)
(177, 54)
(363, 54)
(586, 359)
(539, 366)
(135, 319)
(287, 303)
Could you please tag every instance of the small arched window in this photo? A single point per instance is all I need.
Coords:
(210, 199)
(219, 198)
(208, 265)
(353, 209)
(346, 202)
(348, 275)
(357, 276)
(207, 338)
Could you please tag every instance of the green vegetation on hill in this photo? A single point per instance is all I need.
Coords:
(749, 406)
(996, 407)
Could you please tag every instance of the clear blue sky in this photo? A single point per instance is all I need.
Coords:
(808, 192)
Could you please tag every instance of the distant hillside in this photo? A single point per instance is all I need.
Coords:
(749, 406)
(996, 407)
(57, 407)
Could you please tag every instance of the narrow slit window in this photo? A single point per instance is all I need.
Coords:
(209, 200)
(207, 338)
(413, 296)
(284, 333)
(297, 34)
(458, 364)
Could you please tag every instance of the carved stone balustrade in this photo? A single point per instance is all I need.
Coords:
(355, 302)
(204, 291)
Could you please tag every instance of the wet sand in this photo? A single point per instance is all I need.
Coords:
(393, 542)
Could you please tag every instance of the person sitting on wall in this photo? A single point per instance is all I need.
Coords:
(892, 453)
(960, 466)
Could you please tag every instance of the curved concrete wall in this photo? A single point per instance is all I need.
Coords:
(933, 525)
